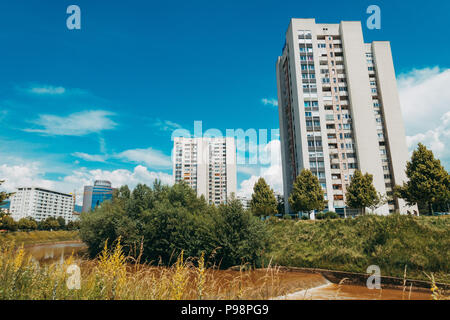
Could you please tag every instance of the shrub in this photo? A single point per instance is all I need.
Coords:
(169, 220)
(27, 224)
(331, 215)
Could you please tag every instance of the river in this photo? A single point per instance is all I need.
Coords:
(314, 286)
(53, 252)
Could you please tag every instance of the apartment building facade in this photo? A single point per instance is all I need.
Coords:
(339, 111)
(208, 165)
(40, 204)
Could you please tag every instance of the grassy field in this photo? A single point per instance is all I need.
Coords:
(420, 243)
(33, 237)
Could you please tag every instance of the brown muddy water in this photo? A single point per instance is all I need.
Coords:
(310, 286)
(54, 252)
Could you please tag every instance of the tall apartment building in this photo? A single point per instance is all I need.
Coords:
(339, 110)
(40, 204)
(208, 165)
(94, 195)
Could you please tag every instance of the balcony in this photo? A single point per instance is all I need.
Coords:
(332, 140)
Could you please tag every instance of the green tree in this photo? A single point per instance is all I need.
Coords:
(61, 222)
(361, 193)
(239, 235)
(428, 183)
(307, 194)
(167, 220)
(8, 223)
(73, 225)
(27, 224)
(263, 201)
(48, 224)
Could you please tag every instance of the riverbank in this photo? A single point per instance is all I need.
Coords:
(39, 237)
(351, 245)
(112, 276)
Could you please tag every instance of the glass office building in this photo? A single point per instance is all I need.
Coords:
(96, 194)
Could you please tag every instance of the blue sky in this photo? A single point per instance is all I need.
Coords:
(102, 101)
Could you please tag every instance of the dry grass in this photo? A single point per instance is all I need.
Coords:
(113, 276)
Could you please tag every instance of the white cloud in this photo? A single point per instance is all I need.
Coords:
(48, 90)
(150, 157)
(272, 102)
(32, 175)
(90, 157)
(75, 124)
(425, 101)
(23, 175)
(272, 173)
(166, 125)
(436, 139)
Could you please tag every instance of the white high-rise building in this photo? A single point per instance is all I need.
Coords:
(339, 111)
(39, 204)
(208, 165)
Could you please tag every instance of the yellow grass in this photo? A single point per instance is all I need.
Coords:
(112, 276)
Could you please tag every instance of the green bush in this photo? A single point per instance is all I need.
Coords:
(167, 220)
(49, 224)
(320, 216)
(331, 215)
(8, 223)
(27, 224)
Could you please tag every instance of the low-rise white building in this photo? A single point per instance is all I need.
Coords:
(40, 204)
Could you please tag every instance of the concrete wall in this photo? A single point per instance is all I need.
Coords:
(393, 120)
(361, 106)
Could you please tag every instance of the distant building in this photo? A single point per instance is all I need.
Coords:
(96, 194)
(75, 216)
(245, 201)
(208, 165)
(40, 204)
(5, 207)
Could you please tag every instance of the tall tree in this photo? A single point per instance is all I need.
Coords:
(361, 193)
(307, 194)
(428, 183)
(263, 201)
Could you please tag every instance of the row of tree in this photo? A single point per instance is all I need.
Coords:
(428, 186)
(29, 224)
